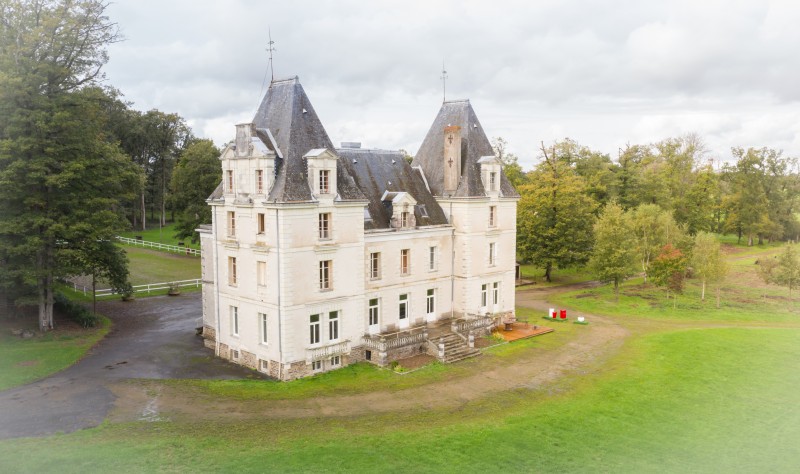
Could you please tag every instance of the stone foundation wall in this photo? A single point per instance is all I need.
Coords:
(224, 351)
(296, 370)
(209, 343)
(209, 333)
(248, 359)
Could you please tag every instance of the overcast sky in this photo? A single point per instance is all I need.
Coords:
(604, 73)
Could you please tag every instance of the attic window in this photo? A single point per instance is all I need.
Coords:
(423, 212)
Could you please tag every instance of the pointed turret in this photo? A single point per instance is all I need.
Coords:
(443, 162)
(288, 115)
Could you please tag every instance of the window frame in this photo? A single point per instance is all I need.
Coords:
(492, 216)
(430, 301)
(405, 261)
(373, 311)
(229, 181)
(259, 181)
(231, 224)
(263, 326)
(234, 315)
(261, 273)
(495, 293)
(324, 182)
(325, 275)
(374, 265)
(492, 254)
(314, 329)
(484, 295)
(433, 258)
(232, 275)
(261, 223)
(333, 326)
(493, 181)
(324, 231)
(403, 312)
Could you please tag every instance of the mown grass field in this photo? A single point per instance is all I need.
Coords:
(164, 235)
(693, 389)
(26, 360)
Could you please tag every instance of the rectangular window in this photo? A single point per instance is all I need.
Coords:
(375, 265)
(230, 180)
(431, 301)
(262, 326)
(432, 258)
(231, 224)
(404, 219)
(314, 329)
(325, 225)
(325, 267)
(405, 261)
(333, 325)
(259, 182)
(232, 270)
(324, 182)
(492, 216)
(403, 309)
(261, 223)
(374, 311)
(492, 253)
(234, 320)
(484, 295)
(336, 361)
(496, 293)
(261, 273)
(492, 181)
(316, 366)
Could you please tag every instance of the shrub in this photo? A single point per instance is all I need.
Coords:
(74, 311)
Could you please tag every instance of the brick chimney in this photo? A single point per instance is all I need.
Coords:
(452, 158)
(244, 135)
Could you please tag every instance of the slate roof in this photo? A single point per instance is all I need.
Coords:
(287, 115)
(474, 144)
(378, 171)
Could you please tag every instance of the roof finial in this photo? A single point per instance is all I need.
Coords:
(271, 49)
(444, 83)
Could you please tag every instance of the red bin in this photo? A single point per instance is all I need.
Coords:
(563, 314)
(555, 315)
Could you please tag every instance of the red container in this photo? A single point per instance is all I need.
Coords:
(555, 315)
(563, 314)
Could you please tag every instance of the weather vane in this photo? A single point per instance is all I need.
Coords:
(271, 49)
(444, 83)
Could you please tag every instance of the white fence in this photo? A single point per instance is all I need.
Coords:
(141, 288)
(159, 246)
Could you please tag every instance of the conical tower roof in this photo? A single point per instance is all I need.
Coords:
(474, 145)
(288, 114)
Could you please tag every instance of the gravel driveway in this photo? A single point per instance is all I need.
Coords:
(151, 338)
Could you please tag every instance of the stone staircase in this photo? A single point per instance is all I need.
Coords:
(455, 348)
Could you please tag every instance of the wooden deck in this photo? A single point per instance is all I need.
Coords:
(522, 331)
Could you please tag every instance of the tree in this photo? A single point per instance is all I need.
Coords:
(195, 177)
(554, 218)
(708, 262)
(669, 270)
(787, 272)
(613, 258)
(511, 166)
(647, 226)
(61, 174)
(766, 270)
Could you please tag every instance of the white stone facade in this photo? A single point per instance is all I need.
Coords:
(292, 288)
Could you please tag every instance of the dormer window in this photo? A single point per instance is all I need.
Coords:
(230, 180)
(324, 182)
(493, 181)
(404, 219)
(259, 181)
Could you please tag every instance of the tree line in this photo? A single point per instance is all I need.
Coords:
(651, 211)
(77, 163)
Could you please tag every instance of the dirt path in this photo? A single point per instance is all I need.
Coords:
(528, 370)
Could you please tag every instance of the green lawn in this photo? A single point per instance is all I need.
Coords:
(164, 235)
(151, 266)
(713, 400)
(558, 276)
(26, 360)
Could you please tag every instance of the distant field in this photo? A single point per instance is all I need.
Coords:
(165, 235)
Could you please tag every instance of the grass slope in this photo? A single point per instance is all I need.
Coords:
(26, 360)
(164, 235)
(713, 400)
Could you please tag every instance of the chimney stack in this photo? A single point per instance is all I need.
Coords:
(452, 158)
(244, 135)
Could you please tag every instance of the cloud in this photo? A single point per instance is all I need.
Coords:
(603, 73)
